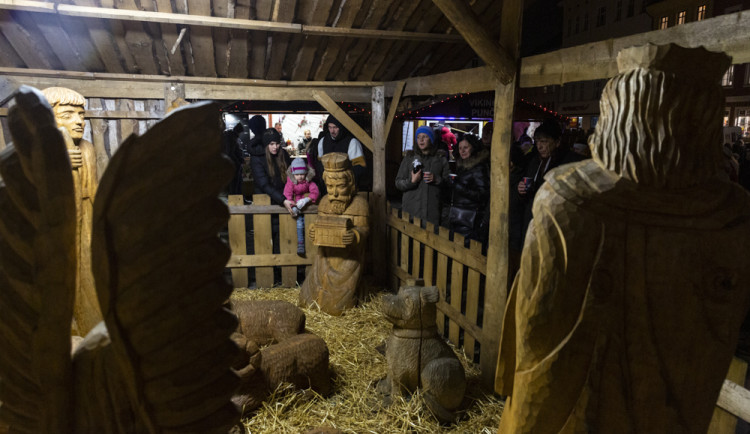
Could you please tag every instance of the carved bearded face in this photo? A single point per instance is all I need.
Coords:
(72, 118)
(341, 190)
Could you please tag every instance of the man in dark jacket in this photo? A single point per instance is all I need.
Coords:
(339, 139)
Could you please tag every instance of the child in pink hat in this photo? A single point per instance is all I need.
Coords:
(299, 188)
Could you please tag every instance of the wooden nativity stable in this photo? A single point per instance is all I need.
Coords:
(132, 58)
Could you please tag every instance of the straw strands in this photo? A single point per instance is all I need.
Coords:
(355, 406)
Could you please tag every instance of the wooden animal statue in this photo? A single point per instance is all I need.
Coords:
(417, 355)
(160, 361)
(301, 360)
(267, 322)
(634, 280)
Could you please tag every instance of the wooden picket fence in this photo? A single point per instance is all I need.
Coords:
(459, 272)
(262, 260)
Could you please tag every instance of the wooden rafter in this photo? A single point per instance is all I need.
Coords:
(381, 49)
(331, 53)
(283, 11)
(353, 53)
(598, 60)
(394, 105)
(467, 23)
(303, 59)
(152, 87)
(728, 33)
(259, 40)
(217, 22)
(329, 104)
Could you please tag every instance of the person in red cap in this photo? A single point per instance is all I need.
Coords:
(449, 139)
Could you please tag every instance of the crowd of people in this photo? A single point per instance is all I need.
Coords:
(292, 184)
(446, 180)
(737, 165)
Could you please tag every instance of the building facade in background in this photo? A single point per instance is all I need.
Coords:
(587, 21)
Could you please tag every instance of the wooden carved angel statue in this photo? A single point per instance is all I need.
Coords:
(633, 284)
(160, 360)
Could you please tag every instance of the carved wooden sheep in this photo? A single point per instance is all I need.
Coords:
(417, 356)
(301, 360)
(293, 357)
(268, 321)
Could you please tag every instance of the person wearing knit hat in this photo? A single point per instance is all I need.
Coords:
(269, 163)
(424, 129)
(301, 190)
(338, 139)
(422, 177)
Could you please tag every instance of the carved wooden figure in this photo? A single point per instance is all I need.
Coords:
(292, 356)
(333, 281)
(418, 356)
(160, 362)
(268, 321)
(634, 281)
(68, 107)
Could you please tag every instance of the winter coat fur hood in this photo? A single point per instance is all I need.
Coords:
(481, 157)
(308, 178)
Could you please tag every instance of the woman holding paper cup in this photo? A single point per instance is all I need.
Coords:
(422, 176)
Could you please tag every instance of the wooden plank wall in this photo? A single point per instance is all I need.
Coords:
(458, 272)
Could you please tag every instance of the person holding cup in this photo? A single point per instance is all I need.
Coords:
(422, 176)
(549, 154)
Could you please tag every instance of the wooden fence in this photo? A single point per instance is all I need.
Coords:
(262, 259)
(459, 272)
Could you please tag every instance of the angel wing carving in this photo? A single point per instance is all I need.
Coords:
(160, 361)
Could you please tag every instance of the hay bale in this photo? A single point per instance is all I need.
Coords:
(355, 406)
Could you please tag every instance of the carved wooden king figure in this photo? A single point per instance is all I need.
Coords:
(67, 105)
(633, 284)
(340, 235)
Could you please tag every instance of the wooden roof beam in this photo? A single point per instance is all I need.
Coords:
(217, 22)
(466, 22)
(96, 85)
(728, 33)
(329, 104)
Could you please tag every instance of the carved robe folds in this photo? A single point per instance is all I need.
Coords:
(86, 312)
(626, 311)
(334, 277)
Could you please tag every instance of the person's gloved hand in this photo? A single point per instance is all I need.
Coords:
(303, 202)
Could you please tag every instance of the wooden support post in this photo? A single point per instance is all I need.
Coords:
(329, 104)
(466, 22)
(379, 135)
(172, 91)
(394, 105)
(496, 289)
(2, 136)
